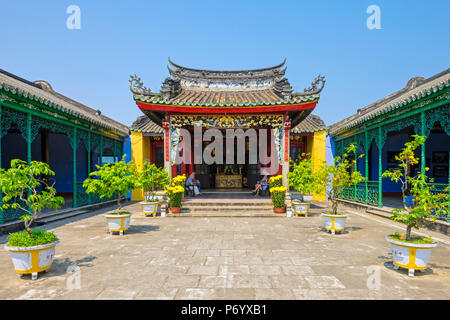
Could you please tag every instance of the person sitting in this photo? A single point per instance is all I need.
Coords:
(261, 185)
(193, 183)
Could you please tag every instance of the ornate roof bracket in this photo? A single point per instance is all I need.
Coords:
(314, 89)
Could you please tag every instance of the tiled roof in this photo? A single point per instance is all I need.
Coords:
(310, 124)
(145, 125)
(416, 88)
(195, 87)
(42, 92)
(228, 98)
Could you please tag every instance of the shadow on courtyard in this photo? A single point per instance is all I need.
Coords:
(390, 266)
(60, 267)
(141, 229)
(346, 231)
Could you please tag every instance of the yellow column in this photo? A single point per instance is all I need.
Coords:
(316, 145)
(140, 152)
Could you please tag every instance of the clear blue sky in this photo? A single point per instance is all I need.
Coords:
(119, 38)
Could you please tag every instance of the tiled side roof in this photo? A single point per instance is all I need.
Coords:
(145, 125)
(42, 91)
(312, 123)
(416, 88)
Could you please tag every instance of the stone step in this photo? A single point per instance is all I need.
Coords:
(226, 209)
(225, 214)
(227, 204)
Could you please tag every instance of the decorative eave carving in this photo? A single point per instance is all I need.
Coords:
(138, 88)
(314, 88)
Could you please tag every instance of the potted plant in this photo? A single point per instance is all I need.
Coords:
(180, 181)
(152, 178)
(413, 252)
(25, 185)
(278, 198)
(175, 193)
(336, 178)
(114, 179)
(305, 183)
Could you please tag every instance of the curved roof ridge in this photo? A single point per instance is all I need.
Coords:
(278, 66)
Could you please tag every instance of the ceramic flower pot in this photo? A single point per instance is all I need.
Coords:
(150, 208)
(308, 197)
(411, 256)
(300, 208)
(118, 222)
(334, 222)
(295, 195)
(175, 209)
(279, 210)
(31, 260)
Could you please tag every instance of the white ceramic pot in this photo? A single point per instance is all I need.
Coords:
(118, 222)
(300, 208)
(158, 196)
(31, 260)
(295, 195)
(151, 208)
(411, 256)
(308, 197)
(334, 222)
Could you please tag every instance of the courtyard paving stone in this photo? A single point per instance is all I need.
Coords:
(227, 258)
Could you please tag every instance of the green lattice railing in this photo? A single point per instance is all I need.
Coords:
(440, 188)
(372, 193)
(10, 214)
(82, 196)
(357, 193)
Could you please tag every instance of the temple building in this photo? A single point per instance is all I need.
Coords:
(245, 99)
(380, 130)
(38, 123)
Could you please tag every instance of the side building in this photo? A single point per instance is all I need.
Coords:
(381, 129)
(38, 123)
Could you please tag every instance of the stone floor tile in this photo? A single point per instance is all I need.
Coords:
(182, 281)
(323, 282)
(225, 270)
(195, 294)
(203, 270)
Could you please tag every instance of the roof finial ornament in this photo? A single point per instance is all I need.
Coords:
(314, 88)
(137, 87)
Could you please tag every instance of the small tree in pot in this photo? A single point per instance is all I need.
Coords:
(152, 178)
(23, 184)
(114, 180)
(302, 178)
(413, 252)
(336, 178)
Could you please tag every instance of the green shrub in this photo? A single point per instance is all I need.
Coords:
(38, 237)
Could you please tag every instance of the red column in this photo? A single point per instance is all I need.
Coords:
(191, 165)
